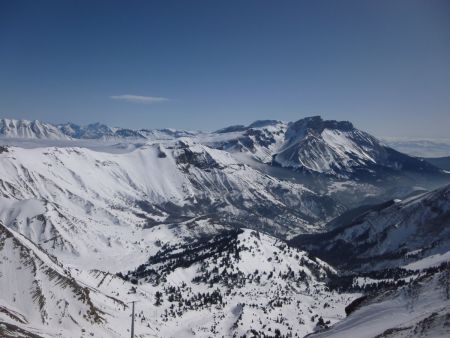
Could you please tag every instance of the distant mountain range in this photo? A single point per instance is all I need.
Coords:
(310, 144)
(328, 157)
(38, 130)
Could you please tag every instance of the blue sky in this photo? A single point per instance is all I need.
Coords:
(383, 65)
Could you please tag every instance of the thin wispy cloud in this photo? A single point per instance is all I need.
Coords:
(139, 99)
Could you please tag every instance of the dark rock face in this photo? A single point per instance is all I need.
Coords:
(317, 125)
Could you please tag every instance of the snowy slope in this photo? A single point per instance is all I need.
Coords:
(97, 217)
(266, 286)
(329, 157)
(238, 283)
(420, 309)
(40, 296)
(392, 234)
(260, 140)
(89, 206)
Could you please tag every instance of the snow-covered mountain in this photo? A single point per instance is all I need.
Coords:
(30, 130)
(328, 156)
(239, 282)
(40, 297)
(414, 232)
(193, 225)
(91, 205)
(315, 145)
(25, 129)
(310, 144)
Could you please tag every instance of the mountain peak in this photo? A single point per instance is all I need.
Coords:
(318, 124)
(263, 123)
(337, 148)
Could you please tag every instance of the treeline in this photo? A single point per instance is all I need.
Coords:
(383, 279)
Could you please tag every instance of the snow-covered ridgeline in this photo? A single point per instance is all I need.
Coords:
(93, 205)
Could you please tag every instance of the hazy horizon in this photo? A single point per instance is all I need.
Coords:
(392, 138)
